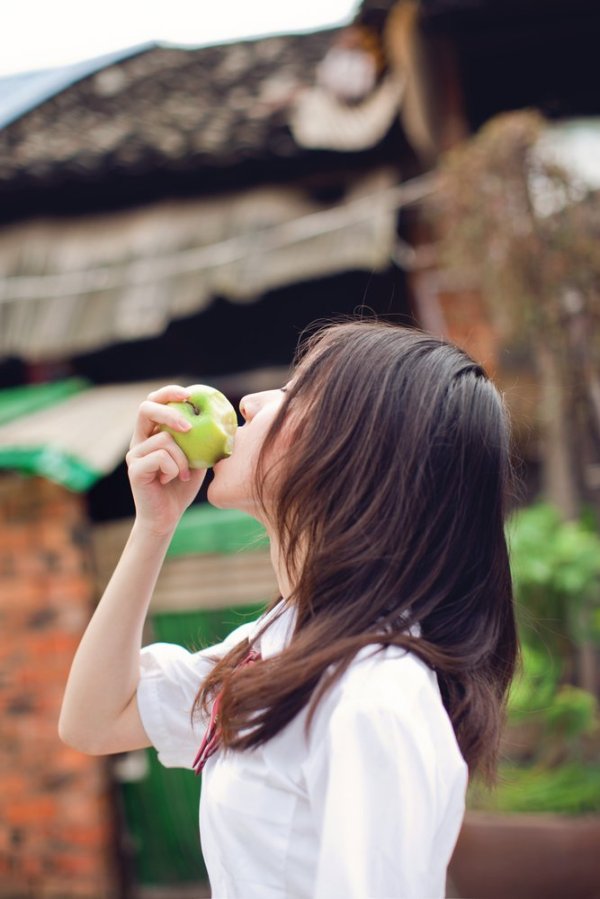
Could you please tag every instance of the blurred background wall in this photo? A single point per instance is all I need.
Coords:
(178, 214)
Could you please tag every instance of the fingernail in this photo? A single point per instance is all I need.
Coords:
(184, 425)
(185, 476)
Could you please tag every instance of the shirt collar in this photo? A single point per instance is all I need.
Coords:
(280, 628)
(279, 631)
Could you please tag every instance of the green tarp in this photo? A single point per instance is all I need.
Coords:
(70, 432)
(204, 529)
(53, 464)
(161, 810)
(18, 401)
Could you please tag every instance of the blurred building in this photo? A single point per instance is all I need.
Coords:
(173, 213)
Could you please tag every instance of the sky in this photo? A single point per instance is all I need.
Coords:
(39, 34)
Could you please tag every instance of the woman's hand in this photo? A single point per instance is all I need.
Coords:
(162, 483)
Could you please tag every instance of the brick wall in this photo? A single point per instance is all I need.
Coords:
(468, 325)
(55, 812)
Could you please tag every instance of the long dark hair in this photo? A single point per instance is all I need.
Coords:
(389, 509)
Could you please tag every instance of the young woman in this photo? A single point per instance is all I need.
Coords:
(336, 733)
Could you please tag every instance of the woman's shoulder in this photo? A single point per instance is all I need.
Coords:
(385, 715)
(392, 692)
(388, 677)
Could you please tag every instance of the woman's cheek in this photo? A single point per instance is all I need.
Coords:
(233, 480)
(233, 483)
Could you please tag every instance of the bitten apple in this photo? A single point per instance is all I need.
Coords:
(213, 422)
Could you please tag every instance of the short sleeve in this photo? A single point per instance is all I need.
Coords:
(170, 677)
(371, 783)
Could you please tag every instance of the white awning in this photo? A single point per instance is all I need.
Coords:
(69, 286)
(77, 441)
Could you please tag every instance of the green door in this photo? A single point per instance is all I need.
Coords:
(160, 805)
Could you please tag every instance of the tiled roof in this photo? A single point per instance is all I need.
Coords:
(21, 93)
(166, 109)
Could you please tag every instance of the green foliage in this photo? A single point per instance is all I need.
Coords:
(561, 775)
(534, 688)
(572, 713)
(525, 231)
(556, 573)
(562, 714)
(518, 221)
(571, 789)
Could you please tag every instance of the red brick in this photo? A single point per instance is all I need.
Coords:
(53, 798)
(77, 863)
(31, 810)
(14, 785)
(55, 643)
(31, 866)
(76, 588)
(20, 594)
(81, 810)
(54, 888)
(89, 836)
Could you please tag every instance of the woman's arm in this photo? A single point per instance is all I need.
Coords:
(99, 713)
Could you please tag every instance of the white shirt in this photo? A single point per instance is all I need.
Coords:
(369, 807)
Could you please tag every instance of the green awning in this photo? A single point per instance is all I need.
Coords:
(75, 433)
(29, 398)
(204, 529)
(69, 432)
(53, 464)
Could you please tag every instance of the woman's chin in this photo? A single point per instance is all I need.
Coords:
(219, 496)
(215, 494)
(221, 492)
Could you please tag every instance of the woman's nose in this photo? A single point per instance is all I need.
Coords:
(247, 407)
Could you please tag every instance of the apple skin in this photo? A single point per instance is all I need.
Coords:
(213, 422)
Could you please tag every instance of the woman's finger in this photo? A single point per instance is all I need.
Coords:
(161, 440)
(172, 393)
(151, 414)
(145, 469)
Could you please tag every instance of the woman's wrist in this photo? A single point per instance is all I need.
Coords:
(152, 532)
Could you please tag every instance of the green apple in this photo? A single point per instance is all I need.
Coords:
(213, 422)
